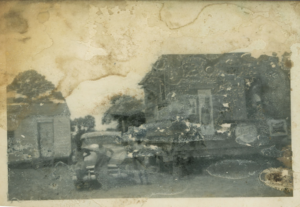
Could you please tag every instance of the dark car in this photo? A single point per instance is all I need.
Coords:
(101, 158)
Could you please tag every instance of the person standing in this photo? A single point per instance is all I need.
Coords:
(140, 161)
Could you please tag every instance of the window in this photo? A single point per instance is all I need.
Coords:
(149, 97)
(193, 103)
(278, 127)
(206, 112)
(10, 140)
(10, 134)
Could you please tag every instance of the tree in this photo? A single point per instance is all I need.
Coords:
(33, 86)
(127, 110)
(86, 123)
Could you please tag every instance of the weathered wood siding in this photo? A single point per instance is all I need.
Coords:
(62, 137)
(24, 146)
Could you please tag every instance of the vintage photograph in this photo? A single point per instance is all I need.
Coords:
(98, 105)
(205, 120)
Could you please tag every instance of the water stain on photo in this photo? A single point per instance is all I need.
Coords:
(210, 125)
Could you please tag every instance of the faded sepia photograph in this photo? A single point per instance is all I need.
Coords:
(148, 99)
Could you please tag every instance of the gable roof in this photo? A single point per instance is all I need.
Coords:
(18, 112)
(170, 59)
(41, 109)
(148, 75)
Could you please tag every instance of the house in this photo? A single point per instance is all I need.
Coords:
(213, 89)
(38, 131)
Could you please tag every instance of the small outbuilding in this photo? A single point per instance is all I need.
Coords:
(38, 132)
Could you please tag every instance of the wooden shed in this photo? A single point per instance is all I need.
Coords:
(38, 132)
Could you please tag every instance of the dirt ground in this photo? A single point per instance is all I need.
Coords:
(56, 183)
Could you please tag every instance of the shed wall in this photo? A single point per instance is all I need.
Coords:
(24, 145)
(62, 136)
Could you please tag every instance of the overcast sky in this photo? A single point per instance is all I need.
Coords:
(92, 51)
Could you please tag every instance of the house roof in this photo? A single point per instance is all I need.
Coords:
(168, 59)
(18, 112)
(148, 75)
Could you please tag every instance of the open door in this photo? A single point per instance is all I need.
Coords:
(206, 112)
(46, 139)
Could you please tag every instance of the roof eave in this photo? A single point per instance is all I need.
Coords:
(148, 75)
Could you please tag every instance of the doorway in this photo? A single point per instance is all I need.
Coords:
(46, 139)
(206, 112)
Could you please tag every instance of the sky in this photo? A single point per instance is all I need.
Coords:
(93, 50)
